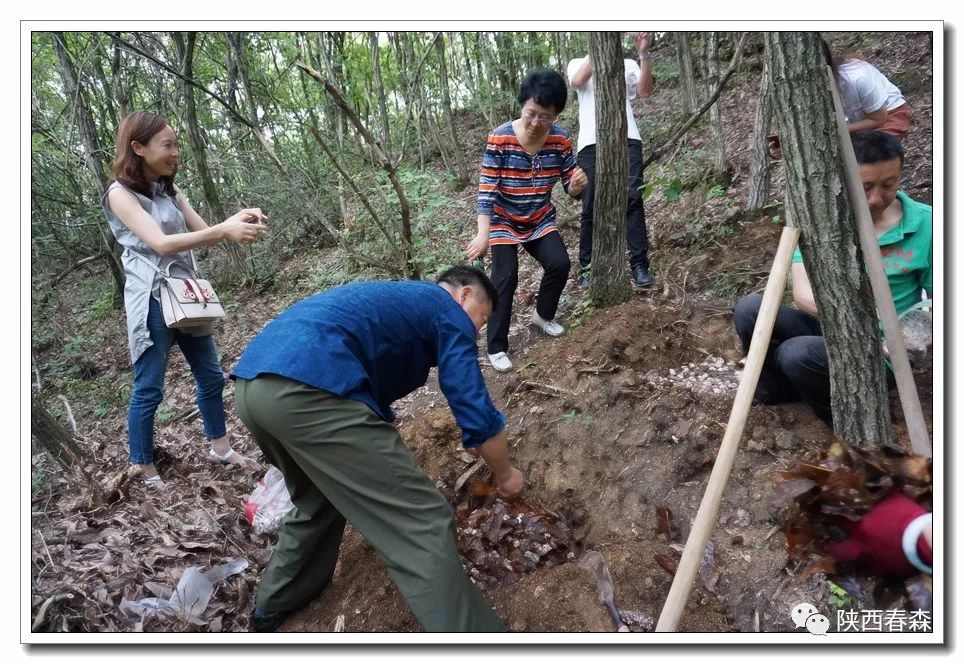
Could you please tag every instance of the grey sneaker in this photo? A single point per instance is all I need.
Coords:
(500, 361)
(550, 327)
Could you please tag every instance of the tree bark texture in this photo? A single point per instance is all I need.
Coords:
(759, 155)
(818, 202)
(60, 444)
(609, 284)
(716, 118)
(686, 75)
(380, 91)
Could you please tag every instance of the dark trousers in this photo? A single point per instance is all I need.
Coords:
(551, 253)
(796, 366)
(636, 237)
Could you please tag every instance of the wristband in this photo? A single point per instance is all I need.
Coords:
(909, 541)
(645, 56)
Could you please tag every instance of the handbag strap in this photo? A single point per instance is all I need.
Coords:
(167, 271)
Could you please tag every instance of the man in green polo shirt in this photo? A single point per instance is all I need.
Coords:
(796, 366)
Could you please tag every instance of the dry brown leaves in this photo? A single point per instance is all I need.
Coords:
(502, 540)
(87, 557)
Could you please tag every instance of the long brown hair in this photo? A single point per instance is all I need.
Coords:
(128, 168)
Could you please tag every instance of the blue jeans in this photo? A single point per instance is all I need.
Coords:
(201, 355)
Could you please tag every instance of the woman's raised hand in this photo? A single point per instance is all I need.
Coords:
(244, 226)
(251, 216)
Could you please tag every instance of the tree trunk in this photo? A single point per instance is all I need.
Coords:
(716, 119)
(93, 157)
(508, 77)
(486, 74)
(609, 285)
(185, 51)
(109, 111)
(533, 52)
(558, 47)
(122, 95)
(687, 78)
(331, 54)
(461, 170)
(413, 100)
(818, 203)
(380, 91)
(60, 445)
(759, 155)
(236, 40)
(463, 38)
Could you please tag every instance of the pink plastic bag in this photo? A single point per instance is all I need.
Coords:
(268, 504)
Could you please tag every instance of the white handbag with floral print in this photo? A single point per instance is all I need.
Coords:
(188, 300)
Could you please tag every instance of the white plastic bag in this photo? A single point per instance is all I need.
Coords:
(189, 600)
(269, 503)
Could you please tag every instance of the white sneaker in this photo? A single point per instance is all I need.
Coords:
(550, 327)
(500, 362)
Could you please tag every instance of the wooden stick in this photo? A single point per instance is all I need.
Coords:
(710, 506)
(913, 415)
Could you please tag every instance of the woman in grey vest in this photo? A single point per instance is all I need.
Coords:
(156, 225)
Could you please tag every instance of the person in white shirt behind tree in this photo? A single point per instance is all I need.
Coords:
(639, 81)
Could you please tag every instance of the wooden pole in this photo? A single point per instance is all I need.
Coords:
(710, 506)
(913, 414)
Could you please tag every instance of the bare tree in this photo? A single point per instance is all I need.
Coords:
(94, 156)
(819, 204)
(716, 118)
(759, 155)
(609, 284)
(686, 74)
(379, 90)
(458, 156)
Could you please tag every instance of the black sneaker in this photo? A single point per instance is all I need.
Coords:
(641, 277)
(266, 621)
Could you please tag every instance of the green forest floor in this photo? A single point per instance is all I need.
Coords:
(614, 423)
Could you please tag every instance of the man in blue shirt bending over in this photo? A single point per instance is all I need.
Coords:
(315, 389)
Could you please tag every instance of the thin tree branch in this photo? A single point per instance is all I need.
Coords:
(724, 77)
(393, 242)
(218, 98)
(416, 80)
(83, 261)
(361, 258)
(382, 158)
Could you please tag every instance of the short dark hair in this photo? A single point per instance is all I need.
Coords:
(546, 88)
(466, 275)
(874, 146)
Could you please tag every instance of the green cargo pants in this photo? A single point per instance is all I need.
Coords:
(341, 461)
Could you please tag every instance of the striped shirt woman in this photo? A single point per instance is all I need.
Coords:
(523, 160)
(515, 186)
